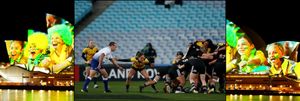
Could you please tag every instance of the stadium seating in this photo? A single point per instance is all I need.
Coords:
(135, 23)
(82, 7)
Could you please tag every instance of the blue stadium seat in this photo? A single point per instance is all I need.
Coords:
(135, 23)
(82, 7)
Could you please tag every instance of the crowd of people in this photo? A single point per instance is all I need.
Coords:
(51, 51)
(278, 58)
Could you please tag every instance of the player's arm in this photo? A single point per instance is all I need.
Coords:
(181, 64)
(212, 62)
(123, 60)
(83, 55)
(114, 61)
(101, 60)
(207, 56)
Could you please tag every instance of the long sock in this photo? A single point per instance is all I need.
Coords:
(105, 81)
(153, 87)
(222, 82)
(95, 81)
(168, 79)
(193, 84)
(127, 86)
(180, 88)
(86, 82)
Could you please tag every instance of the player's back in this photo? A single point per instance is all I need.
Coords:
(106, 51)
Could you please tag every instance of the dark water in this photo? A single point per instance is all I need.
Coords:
(238, 97)
(35, 95)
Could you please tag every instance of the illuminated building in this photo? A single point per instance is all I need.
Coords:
(261, 84)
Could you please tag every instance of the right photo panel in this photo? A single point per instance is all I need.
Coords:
(262, 55)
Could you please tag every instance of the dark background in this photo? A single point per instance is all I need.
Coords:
(18, 16)
(273, 20)
(266, 22)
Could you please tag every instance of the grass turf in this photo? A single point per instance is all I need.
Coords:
(119, 94)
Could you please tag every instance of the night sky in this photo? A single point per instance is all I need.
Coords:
(17, 17)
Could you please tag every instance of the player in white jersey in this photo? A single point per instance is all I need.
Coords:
(97, 65)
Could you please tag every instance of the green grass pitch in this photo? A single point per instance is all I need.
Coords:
(119, 94)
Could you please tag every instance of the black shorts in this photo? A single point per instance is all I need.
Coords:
(173, 72)
(186, 70)
(197, 66)
(137, 69)
(210, 70)
(220, 68)
(162, 71)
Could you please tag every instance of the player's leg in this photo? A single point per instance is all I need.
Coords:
(87, 80)
(129, 77)
(146, 76)
(92, 72)
(180, 78)
(150, 82)
(211, 81)
(220, 71)
(201, 68)
(105, 79)
(95, 79)
(87, 72)
(194, 81)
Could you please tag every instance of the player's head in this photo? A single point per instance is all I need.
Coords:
(275, 52)
(179, 54)
(16, 48)
(244, 46)
(149, 45)
(140, 56)
(207, 43)
(113, 46)
(37, 43)
(91, 44)
(60, 35)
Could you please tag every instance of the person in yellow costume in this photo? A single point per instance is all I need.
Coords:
(138, 64)
(36, 49)
(280, 65)
(16, 54)
(249, 59)
(61, 51)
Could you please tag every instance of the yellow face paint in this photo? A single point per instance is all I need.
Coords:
(274, 54)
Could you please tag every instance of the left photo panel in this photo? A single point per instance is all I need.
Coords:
(37, 51)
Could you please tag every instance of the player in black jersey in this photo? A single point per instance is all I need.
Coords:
(173, 78)
(197, 66)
